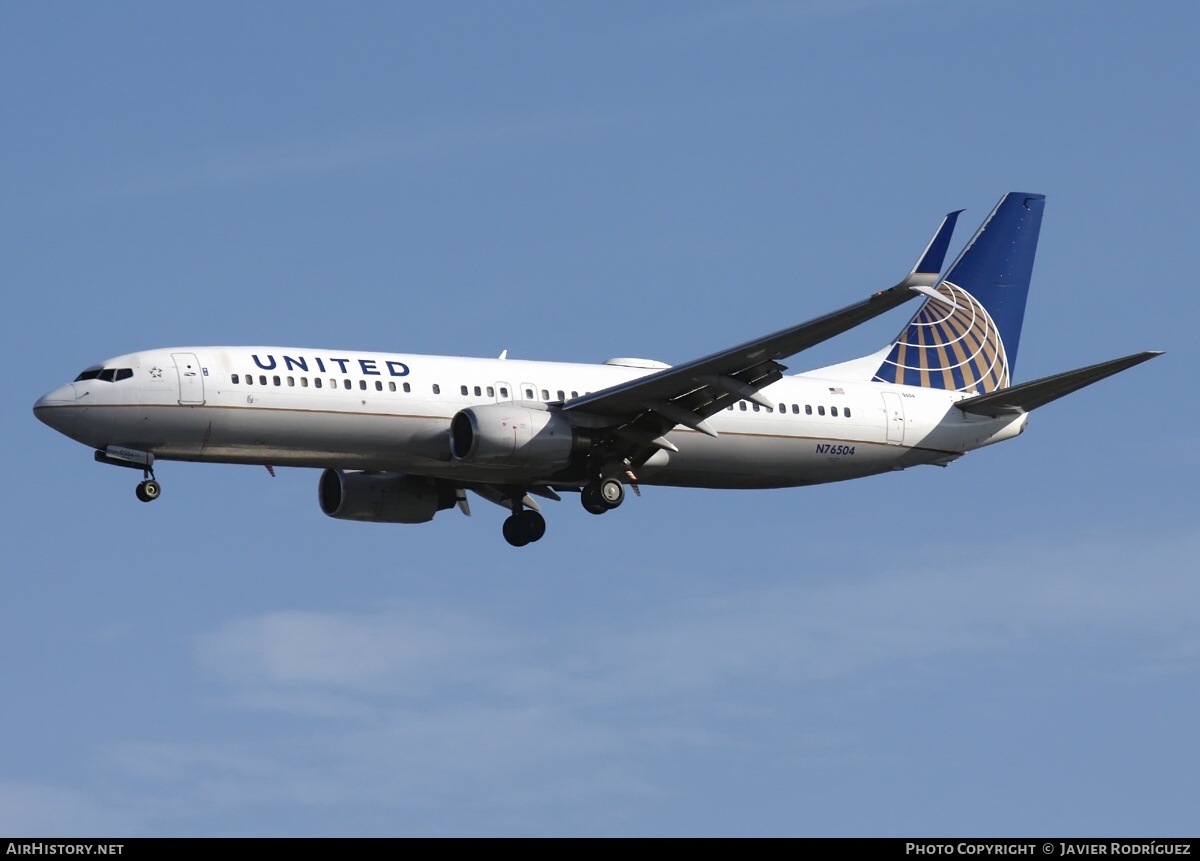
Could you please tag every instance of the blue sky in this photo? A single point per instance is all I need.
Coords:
(1006, 646)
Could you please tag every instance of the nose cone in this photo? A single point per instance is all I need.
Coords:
(58, 409)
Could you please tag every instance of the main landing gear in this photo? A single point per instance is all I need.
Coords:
(524, 526)
(602, 495)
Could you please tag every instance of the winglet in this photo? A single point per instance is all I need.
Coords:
(929, 264)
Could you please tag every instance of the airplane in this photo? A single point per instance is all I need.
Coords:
(401, 437)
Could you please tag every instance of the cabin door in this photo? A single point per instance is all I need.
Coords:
(893, 411)
(191, 378)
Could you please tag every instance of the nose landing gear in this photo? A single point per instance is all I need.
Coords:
(115, 455)
(149, 489)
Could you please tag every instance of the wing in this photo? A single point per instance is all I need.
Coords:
(639, 413)
(642, 410)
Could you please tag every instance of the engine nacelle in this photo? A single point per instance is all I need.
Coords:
(382, 497)
(508, 434)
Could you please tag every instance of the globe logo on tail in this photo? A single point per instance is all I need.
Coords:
(952, 344)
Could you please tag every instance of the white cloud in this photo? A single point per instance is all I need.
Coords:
(286, 649)
(949, 600)
(439, 720)
(40, 810)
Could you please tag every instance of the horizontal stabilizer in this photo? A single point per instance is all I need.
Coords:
(1030, 396)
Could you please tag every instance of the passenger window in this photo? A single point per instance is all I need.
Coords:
(756, 407)
(262, 379)
(437, 390)
(833, 411)
(304, 382)
(478, 391)
(362, 385)
(846, 412)
(783, 408)
(562, 396)
(742, 406)
(545, 395)
(574, 394)
(235, 379)
(820, 411)
(504, 391)
(808, 409)
(491, 392)
(391, 385)
(730, 407)
(292, 381)
(529, 394)
(407, 387)
(249, 379)
(317, 382)
(275, 380)
(796, 409)
(345, 384)
(379, 385)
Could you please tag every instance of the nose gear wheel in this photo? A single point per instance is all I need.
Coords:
(149, 490)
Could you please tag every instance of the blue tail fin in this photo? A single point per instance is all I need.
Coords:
(967, 338)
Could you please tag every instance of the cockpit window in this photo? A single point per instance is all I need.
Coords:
(107, 375)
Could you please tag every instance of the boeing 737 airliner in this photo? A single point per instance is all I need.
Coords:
(401, 437)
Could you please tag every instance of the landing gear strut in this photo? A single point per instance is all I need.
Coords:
(524, 526)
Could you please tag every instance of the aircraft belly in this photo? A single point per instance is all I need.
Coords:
(284, 437)
(764, 461)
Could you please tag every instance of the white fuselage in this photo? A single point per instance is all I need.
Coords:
(392, 412)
